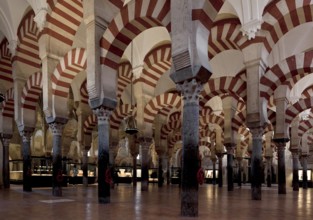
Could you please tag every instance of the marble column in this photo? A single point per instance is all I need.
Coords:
(239, 160)
(85, 167)
(57, 172)
(256, 163)
(27, 164)
(230, 169)
(214, 171)
(145, 143)
(5, 138)
(134, 169)
(268, 171)
(305, 169)
(190, 91)
(220, 169)
(281, 146)
(104, 185)
(160, 173)
(295, 170)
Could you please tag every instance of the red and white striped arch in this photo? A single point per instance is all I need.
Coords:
(27, 51)
(238, 120)
(172, 141)
(206, 133)
(298, 107)
(169, 127)
(283, 16)
(307, 93)
(8, 104)
(63, 20)
(118, 115)
(117, 3)
(207, 14)
(73, 63)
(206, 111)
(175, 116)
(157, 62)
(84, 93)
(90, 123)
(134, 18)
(212, 119)
(300, 64)
(124, 72)
(214, 87)
(304, 126)
(160, 102)
(271, 116)
(5, 61)
(32, 91)
(225, 35)
(205, 143)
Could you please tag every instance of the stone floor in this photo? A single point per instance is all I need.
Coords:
(158, 203)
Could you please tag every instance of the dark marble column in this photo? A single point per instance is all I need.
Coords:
(85, 167)
(57, 172)
(145, 147)
(190, 91)
(134, 169)
(239, 160)
(160, 173)
(256, 163)
(305, 169)
(269, 171)
(214, 171)
(230, 169)
(5, 138)
(27, 164)
(104, 173)
(220, 169)
(281, 146)
(295, 170)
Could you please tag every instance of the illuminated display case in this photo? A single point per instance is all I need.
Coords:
(309, 175)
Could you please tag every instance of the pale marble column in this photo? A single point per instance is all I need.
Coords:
(145, 143)
(281, 146)
(103, 115)
(5, 138)
(295, 170)
(27, 164)
(57, 172)
(190, 134)
(256, 163)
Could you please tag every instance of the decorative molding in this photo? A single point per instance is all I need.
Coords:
(26, 135)
(12, 47)
(103, 115)
(250, 28)
(257, 133)
(40, 18)
(6, 138)
(56, 128)
(181, 60)
(190, 91)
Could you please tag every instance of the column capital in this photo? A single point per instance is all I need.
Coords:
(56, 128)
(103, 114)
(190, 90)
(6, 139)
(257, 132)
(26, 135)
(281, 145)
(145, 142)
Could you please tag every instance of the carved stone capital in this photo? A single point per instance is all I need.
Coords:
(250, 28)
(26, 135)
(40, 18)
(281, 146)
(257, 132)
(6, 138)
(190, 91)
(103, 115)
(12, 47)
(56, 128)
(145, 142)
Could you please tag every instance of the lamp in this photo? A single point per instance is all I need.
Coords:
(131, 126)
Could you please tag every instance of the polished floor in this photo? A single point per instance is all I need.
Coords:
(158, 203)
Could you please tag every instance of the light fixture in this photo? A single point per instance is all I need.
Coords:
(131, 126)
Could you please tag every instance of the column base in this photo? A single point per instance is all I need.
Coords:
(189, 203)
(282, 189)
(256, 193)
(104, 200)
(57, 191)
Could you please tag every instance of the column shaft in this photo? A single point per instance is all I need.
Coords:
(214, 172)
(6, 168)
(134, 170)
(230, 171)
(145, 146)
(160, 173)
(305, 169)
(239, 171)
(104, 173)
(85, 167)
(220, 170)
(269, 171)
(295, 171)
(27, 164)
(256, 164)
(281, 167)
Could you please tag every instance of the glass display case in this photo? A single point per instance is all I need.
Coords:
(309, 175)
(175, 175)
(124, 174)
